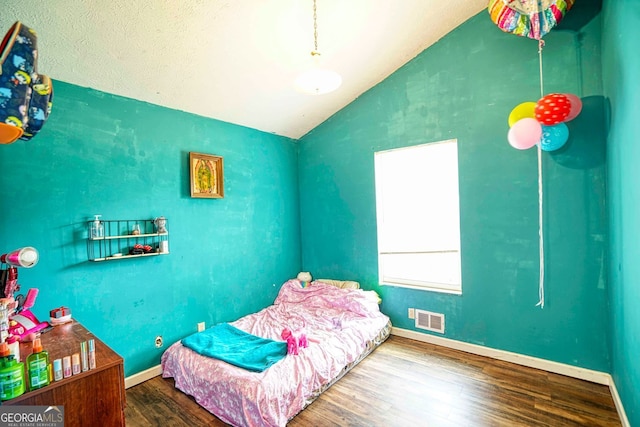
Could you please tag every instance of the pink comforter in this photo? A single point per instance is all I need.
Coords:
(342, 321)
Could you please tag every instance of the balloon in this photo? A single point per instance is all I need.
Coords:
(576, 106)
(553, 109)
(554, 137)
(522, 111)
(525, 133)
(528, 18)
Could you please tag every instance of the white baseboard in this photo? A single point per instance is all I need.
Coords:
(616, 399)
(532, 362)
(143, 376)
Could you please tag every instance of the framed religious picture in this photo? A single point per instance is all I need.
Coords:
(207, 176)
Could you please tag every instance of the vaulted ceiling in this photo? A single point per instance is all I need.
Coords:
(233, 60)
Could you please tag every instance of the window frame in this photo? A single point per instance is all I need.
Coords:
(453, 283)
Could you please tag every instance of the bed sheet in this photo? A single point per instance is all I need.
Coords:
(341, 324)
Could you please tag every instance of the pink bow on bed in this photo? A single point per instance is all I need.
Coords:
(294, 341)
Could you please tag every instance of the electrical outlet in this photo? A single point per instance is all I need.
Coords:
(412, 313)
(159, 341)
(200, 326)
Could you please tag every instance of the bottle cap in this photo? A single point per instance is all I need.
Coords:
(4, 350)
(37, 345)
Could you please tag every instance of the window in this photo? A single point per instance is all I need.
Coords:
(418, 214)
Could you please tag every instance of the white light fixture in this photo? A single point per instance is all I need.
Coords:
(317, 80)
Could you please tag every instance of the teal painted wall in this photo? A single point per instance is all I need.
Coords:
(464, 87)
(122, 158)
(621, 69)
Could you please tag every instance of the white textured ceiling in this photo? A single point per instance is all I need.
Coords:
(232, 60)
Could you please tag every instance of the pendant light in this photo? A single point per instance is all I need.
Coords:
(317, 80)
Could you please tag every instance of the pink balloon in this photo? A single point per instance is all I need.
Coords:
(576, 106)
(525, 133)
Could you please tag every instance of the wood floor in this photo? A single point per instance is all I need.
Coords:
(410, 383)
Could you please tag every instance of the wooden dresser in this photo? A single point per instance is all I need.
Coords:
(91, 398)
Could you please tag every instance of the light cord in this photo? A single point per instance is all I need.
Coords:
(315, 28)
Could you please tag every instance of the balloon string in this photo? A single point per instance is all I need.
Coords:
(540, 46)
(540, 195)
(540, 230)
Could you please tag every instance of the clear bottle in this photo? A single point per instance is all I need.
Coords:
(4, 322)
(92, 354)
(38, 366)
(97, 228)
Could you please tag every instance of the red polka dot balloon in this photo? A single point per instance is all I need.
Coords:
(552, 109)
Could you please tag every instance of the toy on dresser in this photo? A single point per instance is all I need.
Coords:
(59, 316)
(16, 318)
(23, 324)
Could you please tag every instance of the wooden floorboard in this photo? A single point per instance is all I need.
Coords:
(411, 383)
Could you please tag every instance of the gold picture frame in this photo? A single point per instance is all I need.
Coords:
(207, 176)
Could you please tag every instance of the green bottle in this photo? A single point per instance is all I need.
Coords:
(11, 374)
(38, 366)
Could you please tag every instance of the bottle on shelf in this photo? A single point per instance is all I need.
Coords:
(38, 366)
(97, 228)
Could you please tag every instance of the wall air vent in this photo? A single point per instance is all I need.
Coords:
(430, 321)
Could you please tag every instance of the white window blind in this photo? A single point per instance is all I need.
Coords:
(418, 215)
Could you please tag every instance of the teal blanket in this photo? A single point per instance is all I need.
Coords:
(239, 348)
